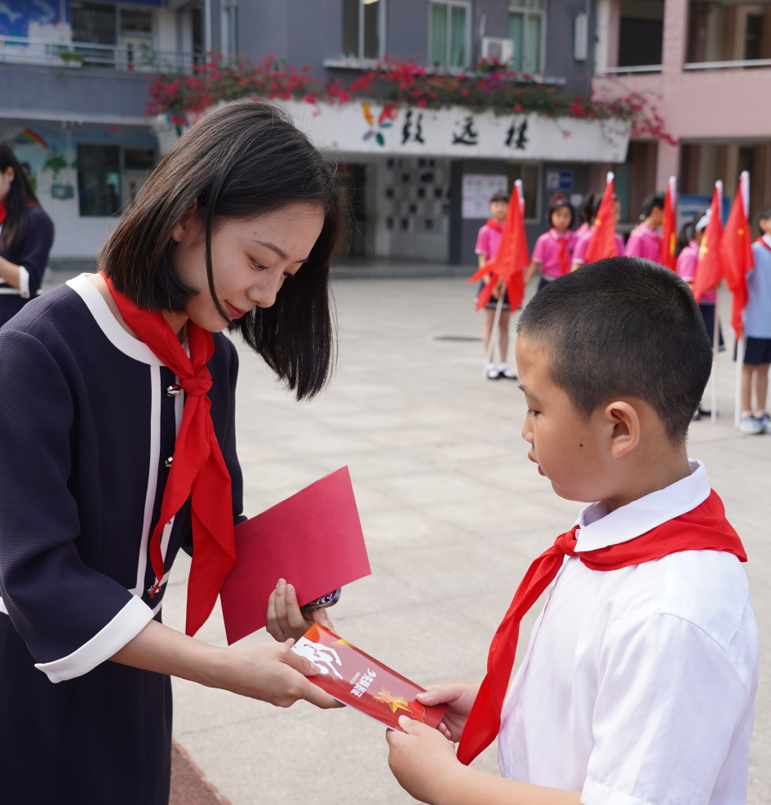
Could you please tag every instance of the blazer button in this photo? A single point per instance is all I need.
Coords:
(172, 391)
(168, 461)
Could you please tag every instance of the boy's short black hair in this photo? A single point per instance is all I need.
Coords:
(764, 214)
(500, 196)
(651, 201)
(624, 327)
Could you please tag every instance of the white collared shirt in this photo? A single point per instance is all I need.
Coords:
(638, 685)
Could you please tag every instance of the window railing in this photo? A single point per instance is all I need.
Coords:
(637, 68)
(722, 65)
(127, 58)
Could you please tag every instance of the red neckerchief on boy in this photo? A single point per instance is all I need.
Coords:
(562, 240)
(493, 224)
(198, 471)
(704, 528)
(764, 242)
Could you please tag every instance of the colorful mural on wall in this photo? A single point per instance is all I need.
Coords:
(17, 16)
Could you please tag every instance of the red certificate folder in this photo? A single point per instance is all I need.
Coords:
(312, 539)
(360, 681)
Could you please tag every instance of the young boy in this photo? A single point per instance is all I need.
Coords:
(757, 325)
(645, 239)
(488, 243)
(639, 682)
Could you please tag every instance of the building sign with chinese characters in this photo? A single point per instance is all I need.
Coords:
(371, 128)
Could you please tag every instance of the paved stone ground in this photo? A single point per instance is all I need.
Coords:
(452, 511)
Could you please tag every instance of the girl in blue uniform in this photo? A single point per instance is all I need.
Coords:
(26, 235)
(118, 449)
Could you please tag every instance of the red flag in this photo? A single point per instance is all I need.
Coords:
(736, 253)
(709, 269)
(512, 258)
(603, 242)
(669, 227)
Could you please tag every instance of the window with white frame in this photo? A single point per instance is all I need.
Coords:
(229, 10)
(119, 37)
(449, 34)
(363, 29)
(527, 29)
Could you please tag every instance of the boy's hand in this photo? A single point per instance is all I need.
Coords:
(459, 696)
(422, 760)
(286, 619)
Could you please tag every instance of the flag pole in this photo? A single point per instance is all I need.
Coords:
(494, 333)
(738, 390)
(715, 347)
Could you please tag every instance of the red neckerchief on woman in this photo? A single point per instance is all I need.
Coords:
(704, 528)
(562, 240)
(493, 224)
(198, 471)
(3, 212)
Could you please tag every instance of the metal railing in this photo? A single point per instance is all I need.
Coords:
(129, 57)
(637, 68)
(722, 65)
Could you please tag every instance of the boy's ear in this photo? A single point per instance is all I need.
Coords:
(624, 420)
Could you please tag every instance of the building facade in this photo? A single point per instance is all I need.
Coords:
(74, 78)
(708, 65)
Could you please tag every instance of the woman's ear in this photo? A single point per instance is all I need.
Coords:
(624, 421)
(183, 226)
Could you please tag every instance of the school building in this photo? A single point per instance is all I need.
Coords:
(708, 63)
(74, 79)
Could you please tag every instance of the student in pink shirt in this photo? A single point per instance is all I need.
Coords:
(645, 240)
(553, 252)
(586, 214)
(689, 243)
(582, 241)
(488, 243)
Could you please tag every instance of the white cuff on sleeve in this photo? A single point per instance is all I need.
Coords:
(123, 628)
(595, 793)
(23, 282)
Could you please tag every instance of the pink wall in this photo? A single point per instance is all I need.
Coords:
(725, 104)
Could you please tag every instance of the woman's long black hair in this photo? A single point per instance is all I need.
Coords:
(17, 202)
(238, 162)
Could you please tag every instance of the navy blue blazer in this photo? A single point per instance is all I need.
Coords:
(32, 258)
(87, 425)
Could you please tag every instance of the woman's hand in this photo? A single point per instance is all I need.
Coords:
(422, 760)
(459, 696)
(271, 673)
(286, 619)
(266, 671)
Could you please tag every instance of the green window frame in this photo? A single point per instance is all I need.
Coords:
(449, 34)
(527, 29)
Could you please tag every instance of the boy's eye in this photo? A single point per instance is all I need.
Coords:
(531, 412)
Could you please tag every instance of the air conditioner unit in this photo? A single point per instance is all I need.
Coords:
(502, 50)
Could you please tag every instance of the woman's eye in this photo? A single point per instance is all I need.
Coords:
(258, 266)
(288, 276)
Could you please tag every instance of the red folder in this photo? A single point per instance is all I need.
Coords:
(362, 682)
(312, 539)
